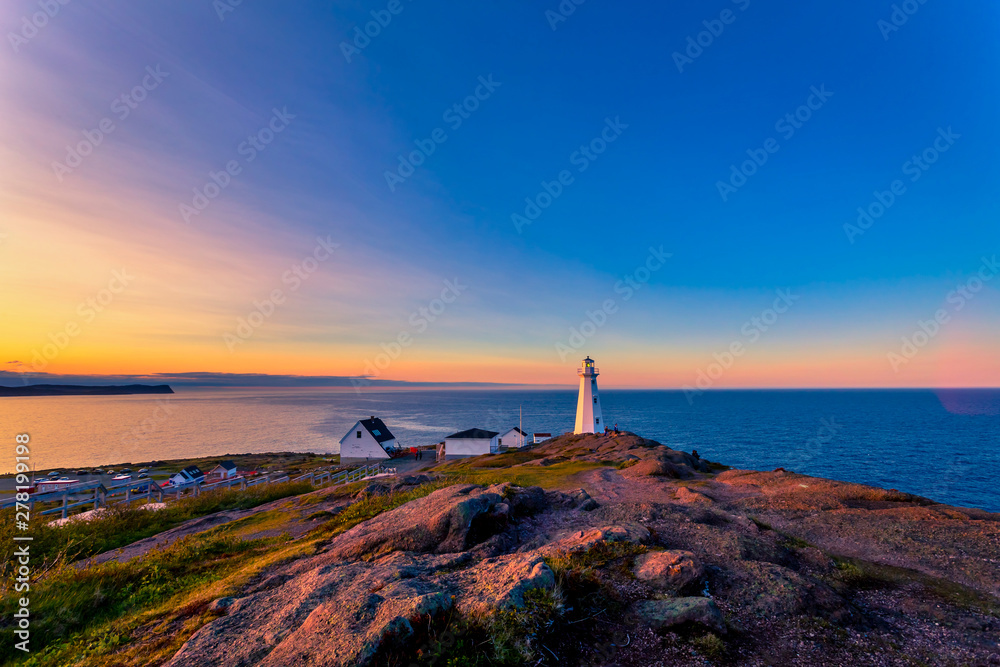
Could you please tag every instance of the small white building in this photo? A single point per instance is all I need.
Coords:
(368, 439)
(473, 442)
(225, 470)
(515, 437)
(189, 475)
(540, 437)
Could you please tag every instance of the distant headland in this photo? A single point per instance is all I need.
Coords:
(84, 390)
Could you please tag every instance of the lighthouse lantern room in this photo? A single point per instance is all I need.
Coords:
(588, 406)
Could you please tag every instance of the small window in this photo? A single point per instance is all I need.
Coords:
(597, 421)
(499, 441)
(375, 431)
(595, 400)
(359, 434)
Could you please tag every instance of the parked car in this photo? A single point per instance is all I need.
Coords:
(53, 474)
(121, 478)
(142, 475)
(98, 471)
(126, 470)
(142, 470)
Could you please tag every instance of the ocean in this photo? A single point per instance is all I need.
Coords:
(943, 444)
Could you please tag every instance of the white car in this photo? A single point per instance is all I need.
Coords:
(121, 478)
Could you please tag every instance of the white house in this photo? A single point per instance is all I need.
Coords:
(540, 437)
(225, 470)
(368, 439)
(187, 476)
(515, 437)
(472, 442)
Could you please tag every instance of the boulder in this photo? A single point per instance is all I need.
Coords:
(498, 583)
(441, 522)
(327, 616)
(527, 501)
(374, 488)
(584, 540)
(668, 569)
(220, 605)
(408, 482)
(664, 614)
(686, 495)
(582, 500)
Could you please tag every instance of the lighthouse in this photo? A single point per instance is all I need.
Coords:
(588, 405)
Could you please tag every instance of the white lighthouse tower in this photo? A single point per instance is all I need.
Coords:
(588, 406)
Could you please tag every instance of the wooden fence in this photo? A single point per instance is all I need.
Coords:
(98, 495)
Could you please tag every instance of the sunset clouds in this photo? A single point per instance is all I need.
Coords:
(166, 171)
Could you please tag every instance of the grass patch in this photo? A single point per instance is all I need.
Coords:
(599, 556)
(119, 525)
(76, 612)
(792, 542)
(710, 646)
(557, 476)
(506, 638)
(865, 575)
(371, 506)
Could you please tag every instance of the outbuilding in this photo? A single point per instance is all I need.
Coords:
(225, 470)
(513, 438)
(190, 475)
(472, 442)
(368, 439)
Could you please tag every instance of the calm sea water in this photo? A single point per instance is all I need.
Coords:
(940, 444)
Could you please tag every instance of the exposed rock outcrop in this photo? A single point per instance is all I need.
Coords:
(663, 614)
(668, 569)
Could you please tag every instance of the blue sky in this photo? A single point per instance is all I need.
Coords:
(655, 185)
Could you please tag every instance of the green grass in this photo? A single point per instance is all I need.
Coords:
(865, 575)
(119, 525)
(601, 555)
(557, 476)
(76, 612)
(371, 506)
(505, 638)
(710, 646)
(141, 611)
